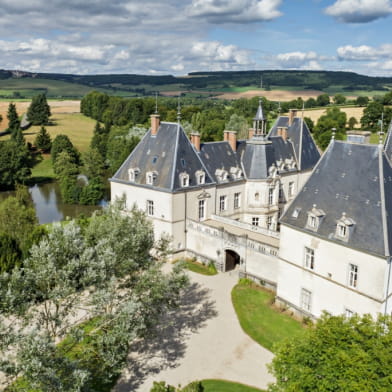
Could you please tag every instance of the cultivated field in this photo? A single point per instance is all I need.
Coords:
(356, 112)
(66, 119)
(273, 95)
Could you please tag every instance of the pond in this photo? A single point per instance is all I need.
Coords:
(49, 206)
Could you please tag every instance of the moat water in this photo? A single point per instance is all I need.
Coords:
(49, 205)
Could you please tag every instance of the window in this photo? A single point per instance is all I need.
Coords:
(291, 189)
(312, 221)
(342, 230)
(184, 179)
(150, 177)
(270, 196)
(296, 212)
(150, 207)
(281, 194)
(306, 299)
(201, 177)
(309, 258)
(353, 275)
(269, 223)
(257, 196)
(202, 209)
(222, 203)
(255, 221)
(237, 200)
(132, 174)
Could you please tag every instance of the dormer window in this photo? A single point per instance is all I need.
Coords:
(133, 173)
(315, 216)
(184, 179)
(201, 177)
(221, 175)
(236, 172)
(343, 227)
(151, 177)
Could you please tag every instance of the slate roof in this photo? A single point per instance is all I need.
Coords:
(355, 179)
(306, 152)
(259, 114)
(219, 155)
(169, 153)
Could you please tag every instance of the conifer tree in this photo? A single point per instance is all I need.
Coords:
(43, 141)
(38, 112)
(13, 119)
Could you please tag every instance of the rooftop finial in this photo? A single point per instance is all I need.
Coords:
(179, 110)
(279, 108)
(333, 134)
(156, 102)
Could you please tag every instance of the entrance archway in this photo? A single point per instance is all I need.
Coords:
(232, 259)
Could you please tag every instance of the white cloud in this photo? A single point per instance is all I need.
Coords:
(364, 52)
(359, 11)
(235, 11)
(299, 60)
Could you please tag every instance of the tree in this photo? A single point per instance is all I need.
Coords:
(339, 99)
(238, 124)
(372, 115)
(13, 118)
(43, 141)
(337, 354)
(15, 163)
(309, 122)
(10, 253)
(323, 100)
(38, 112)
(362, 101)
(127, 294)
(62, 143)
(352, 122)
(93, 164)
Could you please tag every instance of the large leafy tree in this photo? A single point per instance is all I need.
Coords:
(63, 143)
(337, 354)
(38, 112)
(372, 116)
(106, 273)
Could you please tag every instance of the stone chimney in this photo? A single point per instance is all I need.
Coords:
(232, 139)
(251, 133)
(155, 121)
(195, 140)
(282, 131)
(292, 115)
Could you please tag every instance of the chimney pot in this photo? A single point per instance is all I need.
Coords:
(232, 139)
(251, 133)
(292, 114)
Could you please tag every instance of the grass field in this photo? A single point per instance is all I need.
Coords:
(199, 268)
(226, 386)
(76, 126)
(263, 323)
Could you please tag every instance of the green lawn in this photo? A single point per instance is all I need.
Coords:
(263, 323)
(199, 268)
(43, 170)
(226, 386)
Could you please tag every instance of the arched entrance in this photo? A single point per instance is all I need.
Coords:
(232, 259)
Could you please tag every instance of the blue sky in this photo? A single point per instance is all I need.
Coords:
(181, 36)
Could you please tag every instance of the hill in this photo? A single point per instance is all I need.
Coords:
(20, 84)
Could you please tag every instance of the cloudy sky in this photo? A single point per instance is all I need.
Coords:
(181, 36)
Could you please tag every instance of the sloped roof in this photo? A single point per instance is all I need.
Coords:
(169, 153)
(298, 133)
(218, 155)
(259, 114)
(354, 179)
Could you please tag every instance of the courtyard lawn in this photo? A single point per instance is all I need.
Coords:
(226, 386)
(259, 319)
(43, 170)
(199, 268)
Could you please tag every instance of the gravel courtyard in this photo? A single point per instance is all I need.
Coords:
(203, 339)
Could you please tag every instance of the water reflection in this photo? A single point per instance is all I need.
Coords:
(49, 205)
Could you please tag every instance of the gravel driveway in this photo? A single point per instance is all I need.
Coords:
(203, 339)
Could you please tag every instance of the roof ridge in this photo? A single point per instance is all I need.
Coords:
(175, 156)
(383, 208)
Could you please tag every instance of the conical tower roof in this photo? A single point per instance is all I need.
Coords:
(259, 114)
